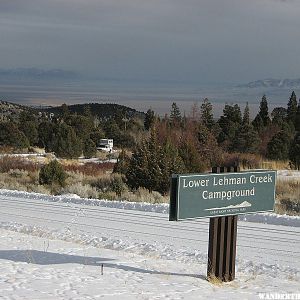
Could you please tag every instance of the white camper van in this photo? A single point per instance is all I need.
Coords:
(106, 145)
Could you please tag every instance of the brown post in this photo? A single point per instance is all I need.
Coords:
(222, 242)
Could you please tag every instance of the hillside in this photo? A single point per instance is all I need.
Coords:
(12, 110)
(102, 110)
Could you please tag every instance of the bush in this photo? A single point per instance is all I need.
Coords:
(114, 183)
(52, 173)
(82, 190)
(91, 169)
(8, 163)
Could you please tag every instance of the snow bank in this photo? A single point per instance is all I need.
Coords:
(266, 218)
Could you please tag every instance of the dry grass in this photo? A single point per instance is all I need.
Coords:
(143, 195)
(8, 163)
(288, 196)
(84, 191)
(91, 169)
(274, 165)
(93, 180)
(215, 280)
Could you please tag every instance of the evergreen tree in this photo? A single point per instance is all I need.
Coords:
(10, 135)
(46, 132)
(122, 163)
(246, 115)
(294, 154)
(96, 135)
(65, 142)
(207, 114)
(89, 148)
(193, 162)
(279, 146)
(53, 173)
(262, 119)
(29, 126)
(247, 139)
(151, 165)
(297, 121)
(292, 108)
(229, 122)
(175, 115)
(65, 111)
(82, 125)
(149, 119)
(279, 115)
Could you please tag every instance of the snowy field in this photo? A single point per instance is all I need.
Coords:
(56, 247)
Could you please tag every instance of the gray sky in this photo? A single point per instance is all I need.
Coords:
(203, 41)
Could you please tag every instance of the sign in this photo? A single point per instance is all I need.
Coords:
(223, 194)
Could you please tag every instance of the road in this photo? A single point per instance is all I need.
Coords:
(259, 243)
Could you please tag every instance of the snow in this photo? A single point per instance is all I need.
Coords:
(53, 247)
(266, 218)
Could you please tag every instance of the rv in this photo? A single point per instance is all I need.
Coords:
(106, 145)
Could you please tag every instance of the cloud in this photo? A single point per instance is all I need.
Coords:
(203, 40)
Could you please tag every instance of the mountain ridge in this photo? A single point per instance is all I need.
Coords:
(273, 82)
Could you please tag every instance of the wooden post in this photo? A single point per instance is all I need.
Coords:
(222, 242)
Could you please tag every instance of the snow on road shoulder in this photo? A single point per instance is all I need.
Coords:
(155, 250)
(266, 218)
(38, 268)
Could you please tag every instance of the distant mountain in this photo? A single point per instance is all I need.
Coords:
(277, 83)
(36, 74)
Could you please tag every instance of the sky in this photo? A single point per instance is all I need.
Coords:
(192, 41)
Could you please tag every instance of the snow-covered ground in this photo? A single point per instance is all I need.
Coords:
(54, 248)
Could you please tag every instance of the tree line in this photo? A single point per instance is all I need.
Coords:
(195, 143)
(159, 146)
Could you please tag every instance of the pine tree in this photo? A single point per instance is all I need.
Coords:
(279, 146)
(89, 148)
(10, 135)
(149, 119)
(207, 114)
(122, 163)
(175, 115)
(262, 119)
(151, 165)
(292, 108)
(65, 142)
(246, 115)
(279, 115)
(297, 121)
(229, 122)
(46, 132)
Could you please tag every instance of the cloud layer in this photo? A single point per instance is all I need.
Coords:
(193, 41)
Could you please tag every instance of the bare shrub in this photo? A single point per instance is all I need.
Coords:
(91, 169)
(243, 160)
(8, 163)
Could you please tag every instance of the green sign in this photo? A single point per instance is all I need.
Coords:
(222, 194)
